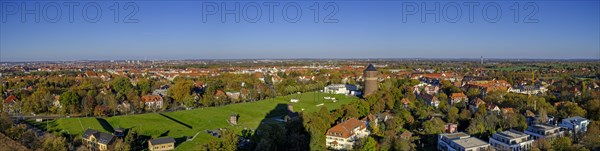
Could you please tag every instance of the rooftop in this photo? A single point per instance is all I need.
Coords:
(544, 127)
(575, 119)
(345, 129)
(455, 135)
(470, 142)
(512, 134)
(163, 140)
(370, 68)
(101, 137)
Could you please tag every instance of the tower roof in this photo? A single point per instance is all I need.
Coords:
(370, 68)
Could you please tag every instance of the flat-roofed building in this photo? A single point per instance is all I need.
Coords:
(538, 131)
(575, 125)
(340, 89)
(461, 142)
(511, 140)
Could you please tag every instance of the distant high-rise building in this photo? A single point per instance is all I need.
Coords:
(481, 59)
(370, 75)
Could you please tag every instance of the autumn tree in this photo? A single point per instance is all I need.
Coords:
(122, 85)
(453, 114)
(70, 101)
(433, 126)
(181, 90)
(38, 102)
(145, 86)
(570, 110)
(593, 109)
(591, 139)
(369, 145)
(54, 143)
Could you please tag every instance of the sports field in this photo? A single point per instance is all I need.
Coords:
(183, 124)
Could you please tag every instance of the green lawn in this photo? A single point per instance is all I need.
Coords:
(155, 125)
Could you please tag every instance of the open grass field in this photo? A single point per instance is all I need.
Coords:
(183, 124)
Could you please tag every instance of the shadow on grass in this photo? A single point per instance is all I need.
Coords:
(164, 134)
(279, 110)
(180, 140)
(45, 125)
(281, 129)
(175, 120)
(105, 125)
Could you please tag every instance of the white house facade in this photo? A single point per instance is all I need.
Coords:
(344, 135)
(511, 140)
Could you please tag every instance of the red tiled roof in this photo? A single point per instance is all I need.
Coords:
(457, 96)
(405, 101)
(219, 93)
(10, 99)
(345, 129)
(478, 102)
(507, 110)
(151, 98)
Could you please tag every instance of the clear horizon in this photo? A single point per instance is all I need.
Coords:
(160, 30)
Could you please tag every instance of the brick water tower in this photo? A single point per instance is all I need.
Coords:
(370, 75)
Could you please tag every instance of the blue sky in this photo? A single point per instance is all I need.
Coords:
(364, 29)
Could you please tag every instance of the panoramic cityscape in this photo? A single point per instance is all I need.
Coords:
(299, 75)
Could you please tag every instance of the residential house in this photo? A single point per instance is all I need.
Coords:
(406, 103)
(430, 100)
(450, 128)
(233, 95)
(507, 110)
(475, 104)
(575, 124)
(95, 140)
(492, 108)
(461, 142)
(425, 88)
(220, 94)
(124, 107)
(344, 135)
(458, 97)
(161, 144)
(370, 120)
(538, 131)
(511, 140)
(153, 101)
(488, 86)
(10, 104)
(537, 119)
(383, 117)
(406, 135)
